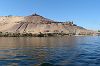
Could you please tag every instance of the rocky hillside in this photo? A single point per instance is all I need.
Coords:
(38, 24)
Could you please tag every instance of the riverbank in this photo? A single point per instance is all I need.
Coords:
(7, 34)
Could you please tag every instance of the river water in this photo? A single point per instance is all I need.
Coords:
(59, 51)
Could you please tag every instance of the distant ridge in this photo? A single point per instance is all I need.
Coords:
(35, 24)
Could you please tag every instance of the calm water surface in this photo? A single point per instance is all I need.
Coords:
(59, 51)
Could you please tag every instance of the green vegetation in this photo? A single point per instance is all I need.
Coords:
(98, 30)
(8, 34)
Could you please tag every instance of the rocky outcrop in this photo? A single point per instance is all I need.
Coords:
(36, 24)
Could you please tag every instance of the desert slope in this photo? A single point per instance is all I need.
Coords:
(35, 24)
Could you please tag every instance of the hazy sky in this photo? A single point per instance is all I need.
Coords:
(84, 13)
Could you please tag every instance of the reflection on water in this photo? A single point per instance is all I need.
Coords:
(60, 51)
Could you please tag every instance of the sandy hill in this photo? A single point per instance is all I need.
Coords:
(36, 24)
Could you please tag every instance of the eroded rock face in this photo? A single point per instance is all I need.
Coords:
(36, 24)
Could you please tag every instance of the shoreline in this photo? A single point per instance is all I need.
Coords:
(7, 34)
